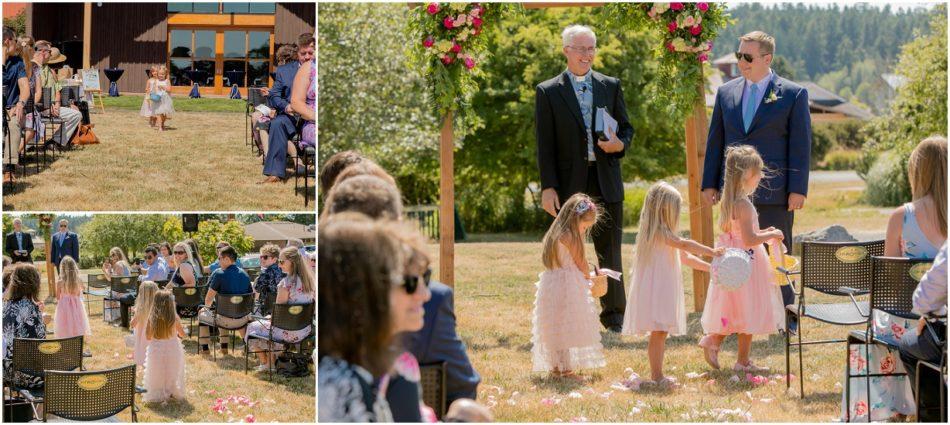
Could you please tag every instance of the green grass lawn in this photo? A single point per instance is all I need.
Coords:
(495, 276)
(182, 103)
(279, 400)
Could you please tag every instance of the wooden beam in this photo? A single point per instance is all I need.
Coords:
(211, 20)
(700, 216)
(86, 35)
(447, 204)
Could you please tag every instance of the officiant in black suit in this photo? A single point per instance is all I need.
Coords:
(572, 158)
(19, 244)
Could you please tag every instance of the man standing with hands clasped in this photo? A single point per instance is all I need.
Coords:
(769, 113)
(571, 159)
(19, 244)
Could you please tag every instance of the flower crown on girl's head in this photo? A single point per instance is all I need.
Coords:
(584, 206)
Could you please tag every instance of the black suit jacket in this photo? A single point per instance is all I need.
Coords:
(562, 136)
(10, 245)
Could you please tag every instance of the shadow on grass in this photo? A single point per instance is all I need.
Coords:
(234, 361)
(561, 385)
(172, 409)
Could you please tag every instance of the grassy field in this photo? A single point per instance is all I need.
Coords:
(280, 400)
(495, 277)
(182, 103)
(199, 164)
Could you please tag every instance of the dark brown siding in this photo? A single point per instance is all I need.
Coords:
(131, 36)
(291, 20)
(60, 24)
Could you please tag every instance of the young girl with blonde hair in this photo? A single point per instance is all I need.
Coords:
(144, 303)
(71, 319)
(565, 329)
(165, 357)
(655, 302)
(755, 308)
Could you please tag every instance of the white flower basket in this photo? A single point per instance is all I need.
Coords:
(732, 270)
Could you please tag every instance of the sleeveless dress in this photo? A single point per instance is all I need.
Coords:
(756, 308)
(308, 136)
(262, 327)
(141, 343)
(890, 395)
(164, 370)
(565, 329)
(163, 106)
(71, 319)
(655, 301)
(179, 281)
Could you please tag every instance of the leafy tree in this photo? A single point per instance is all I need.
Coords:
(16, 22)
(209, 233)
(130, 232)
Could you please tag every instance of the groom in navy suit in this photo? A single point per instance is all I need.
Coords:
(769, 113)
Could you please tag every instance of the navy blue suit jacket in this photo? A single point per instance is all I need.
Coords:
(780, 131)
(279, 95)
(437, 341)
(69, 247)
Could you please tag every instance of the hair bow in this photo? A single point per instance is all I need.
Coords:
(583, 207)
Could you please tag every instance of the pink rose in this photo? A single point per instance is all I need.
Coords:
(898, 330)
(469, 63)
(671, 26)
(477, 11)
(447, 22)
(696, 30)
(433, 8)
(428, 42)
(447, 59)
(860, 408)
(477, 22)
(676, 6)
(703, 57)
(709, 45)
(888, 364)
(456, 48)
(250, 419)
(702, 6)
(669, 46)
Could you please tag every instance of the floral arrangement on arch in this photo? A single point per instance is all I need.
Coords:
(684, 27)
(449, 44)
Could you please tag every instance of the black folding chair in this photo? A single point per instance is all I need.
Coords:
(893, 281)
(120, 285)
(47, 100)
(266, 305)
(289, 317)
(826, 267)
(255, 97)
(235, 306)
(34, 357)
(96, 286)
(940, 367)
(190, 298)
(433, 387)
(306, 156)
(90, 396)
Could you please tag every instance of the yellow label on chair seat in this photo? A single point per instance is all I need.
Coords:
(236, 300)
(918, 271)
(851, 254)
(92, 382)
(295, 310)
(50, 347)
(190, 291)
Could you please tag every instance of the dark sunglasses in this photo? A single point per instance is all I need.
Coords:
(411, 283)
(746, 56)
(180, 252)
(149, 257)
(265, 257)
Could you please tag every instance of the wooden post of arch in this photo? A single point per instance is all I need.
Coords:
(700, 216)
(447, 203)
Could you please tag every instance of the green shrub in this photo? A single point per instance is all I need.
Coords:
(831, 136)
(887, 183)
(841, 159)
(632, 205)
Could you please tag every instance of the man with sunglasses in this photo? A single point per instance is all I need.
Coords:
(573, 159)
(769, 113)
(65, 243)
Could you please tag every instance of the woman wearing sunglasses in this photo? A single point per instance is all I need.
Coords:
(183, 275)
(296, 288)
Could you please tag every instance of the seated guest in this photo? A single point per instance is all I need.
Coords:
(359, 260)
(196, 257)
(165, 250)
(285, 54)
(296, 288)
(155, 267)
(116, 265)
(17, 67)
(71, 117)
(284, 126)
(930, 298)
(303, 101)
(334, 165)
(270, 277)
(22, 318)
(229, 279)
(368, 194)
(183, 276)
(214, 266)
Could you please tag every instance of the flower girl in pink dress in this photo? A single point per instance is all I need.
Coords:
(565, 329)
(71, 319)
(144, 304)
(164, 357)
(756, 307)
(655, 302)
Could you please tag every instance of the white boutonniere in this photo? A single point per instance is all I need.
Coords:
(772, 97)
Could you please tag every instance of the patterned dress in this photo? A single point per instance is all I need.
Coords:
(21, 319)
(262, 327)
(308, 136)
(345, 393)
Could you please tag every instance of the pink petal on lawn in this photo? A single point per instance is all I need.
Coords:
(249, 419)
(575, 394)
(634, 411)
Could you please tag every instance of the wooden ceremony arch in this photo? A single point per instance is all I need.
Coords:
(700, 216)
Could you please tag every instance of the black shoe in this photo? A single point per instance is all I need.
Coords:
(615, 329)
(792, 326)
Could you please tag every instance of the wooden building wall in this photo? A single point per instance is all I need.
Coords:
(131, 36)
(292, 19)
